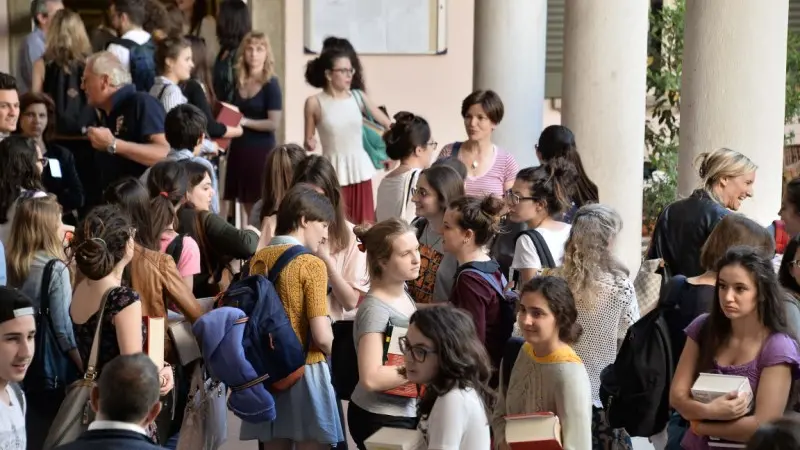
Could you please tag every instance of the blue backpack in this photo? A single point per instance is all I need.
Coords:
(270, 343)
(142, 63)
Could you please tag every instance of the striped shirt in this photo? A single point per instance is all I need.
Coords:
(504, 170)
(168, 93)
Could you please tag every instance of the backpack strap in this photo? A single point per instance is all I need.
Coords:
(44, 294)
(127, 43)
(489, 279)
(161, 93)
(669, 298)
(542, 249)
(419, 223)
(175, 248)
(454, 149)
(512, 349)
(286, 257)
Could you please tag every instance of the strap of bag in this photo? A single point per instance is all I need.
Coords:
(490, 279)
(286, 257)
(419, 223)
(175, 248)
(513, 346)
(362, 106)
(91, 366)
(44, 294)
(161, 93)
(407, 187)
(454, 149)
(542, 249)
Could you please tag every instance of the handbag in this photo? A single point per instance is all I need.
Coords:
(371, 134)
(184, 342)
(75, 413)
(205, 420)
(652, 275)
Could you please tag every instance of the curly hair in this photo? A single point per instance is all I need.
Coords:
(588, 257)
(101, 242)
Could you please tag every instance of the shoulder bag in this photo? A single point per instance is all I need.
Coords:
(205, 420)
(75, 413)
(371, 134)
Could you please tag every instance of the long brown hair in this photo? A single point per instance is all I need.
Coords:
(202, 69)
(278, 175)
(318, 171)
(35, 228)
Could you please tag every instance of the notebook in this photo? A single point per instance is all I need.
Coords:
(393, 356)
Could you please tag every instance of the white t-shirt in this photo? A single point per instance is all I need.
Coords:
(12, 423)
(457, 422)
(394, 197)
(525, 256)
(139, 36)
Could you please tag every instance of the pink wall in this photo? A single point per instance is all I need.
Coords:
(429, 85)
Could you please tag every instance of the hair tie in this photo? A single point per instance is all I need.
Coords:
(361, 247)
(100, 240)
(164, 194)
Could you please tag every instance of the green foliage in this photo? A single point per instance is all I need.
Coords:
(792, 111)
(662, 127)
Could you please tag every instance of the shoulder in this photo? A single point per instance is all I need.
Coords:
(190, 244)
(209, 22)
(192, 86)
(312, 264)
(123, 296)
(447, 150)
(272, 85)
(58, 152)
(456, 402)
(780, 348)
(694, 328)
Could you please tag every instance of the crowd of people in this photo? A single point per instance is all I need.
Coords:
(115, 182)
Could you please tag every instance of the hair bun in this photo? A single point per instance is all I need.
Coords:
(564, 170)
(404, 118)
(492, 206)
(702, 164)
(93, 258)
(361, 231)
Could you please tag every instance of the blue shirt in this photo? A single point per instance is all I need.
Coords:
(135, 117)
(2, 265)
(31, 49)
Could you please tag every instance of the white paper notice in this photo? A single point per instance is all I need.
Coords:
(55, 167)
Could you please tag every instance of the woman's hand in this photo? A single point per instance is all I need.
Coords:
(324, 253)
(167, 380)
(729, 407)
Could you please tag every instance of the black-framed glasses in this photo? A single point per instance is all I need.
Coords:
(418, 352)
(514, 199)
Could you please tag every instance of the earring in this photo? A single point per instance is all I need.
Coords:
(466, 241)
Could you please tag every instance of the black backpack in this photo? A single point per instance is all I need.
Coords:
(64, 87)
(542, 250)
(175, 248)
(635, 388)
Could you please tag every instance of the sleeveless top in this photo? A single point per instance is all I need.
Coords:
(340, 131)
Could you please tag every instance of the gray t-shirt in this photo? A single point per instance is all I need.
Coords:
(374, 316)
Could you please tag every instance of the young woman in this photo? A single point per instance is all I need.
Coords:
(199, 23)
(344, 45)
(606, 303)
(347, 266)
(21, 166)
(558, 143)
(34, 242)
(547, 375)
(745, 334)
(278, 174)
(443, 353)
(167, 185)
(437, 187)
(469, 226)
(409, 142)
(38, 121)
(174, 65)
(392, 259)
(491, 170)
(220, 242)
(102, 247)
(233, 24)
(66, 48)
(539, 196)
(308, 411)
(336, 114)
(258, 97)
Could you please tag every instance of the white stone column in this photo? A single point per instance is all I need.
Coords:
(510, 53)
(733, 92)
(605, 63)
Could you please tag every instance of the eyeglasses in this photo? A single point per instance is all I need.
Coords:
(514, 199)
(345, 71)
(421, 192)
(417, 352)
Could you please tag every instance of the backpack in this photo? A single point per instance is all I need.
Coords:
(64, 87)
(224, 78)
(175, 248)
(270, 343)
(50, 368)
(508, 299)
(635, 388)
(542, 250)
(142, 63)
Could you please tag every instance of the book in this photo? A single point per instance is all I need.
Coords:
(393, 356)
(536, 431)
(715, 442)
(396, 439)
(228, 115)
(710, 386)
(154, 344)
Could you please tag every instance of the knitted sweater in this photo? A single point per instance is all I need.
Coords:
(556, 383)
(303, 289)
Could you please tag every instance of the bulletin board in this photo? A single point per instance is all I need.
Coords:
(378, 27)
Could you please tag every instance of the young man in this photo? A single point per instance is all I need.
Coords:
(17, 331)
(134, 48)
(32, 48)
(185, 129)
(9, 105)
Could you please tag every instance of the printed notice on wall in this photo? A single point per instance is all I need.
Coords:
(377, 26)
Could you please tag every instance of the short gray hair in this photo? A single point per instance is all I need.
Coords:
(40, 7)
(107, 63)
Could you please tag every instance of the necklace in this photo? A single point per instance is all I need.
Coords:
(474, 164)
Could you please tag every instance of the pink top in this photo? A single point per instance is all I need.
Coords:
(189, 262)
(504, 170)
(352, 264)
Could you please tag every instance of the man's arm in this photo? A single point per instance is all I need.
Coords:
(154, 151)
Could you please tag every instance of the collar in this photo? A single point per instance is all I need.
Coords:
(39, 33)
(114, 425)
(564, 354)
(285, 240)
(181, 154)
(123, 93)
(137, 33)
(164, 80)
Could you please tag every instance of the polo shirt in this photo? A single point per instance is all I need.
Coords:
(135, 117)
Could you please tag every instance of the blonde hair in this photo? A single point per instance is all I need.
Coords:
(34, 229)
(243, 71)
(378, 241)
(107, 64)
(588, 258)
(721, 163)
(67, 41)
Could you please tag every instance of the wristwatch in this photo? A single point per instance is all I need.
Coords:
(113, 147)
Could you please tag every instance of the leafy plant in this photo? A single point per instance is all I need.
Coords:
(662, 127)
(792, 110)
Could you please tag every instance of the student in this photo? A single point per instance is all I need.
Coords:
(547, 375)
(746, 334)
(134, 48)
(392, 259)
(307, 412)
(278, 175)
(21, 166)
(9, 105)
(173, 65)
(17, 332)
(442, 352)
(539, 197)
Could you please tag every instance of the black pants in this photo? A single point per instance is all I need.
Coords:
(364, 424)
(42, 408)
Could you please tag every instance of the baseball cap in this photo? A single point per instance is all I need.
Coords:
(14, 304)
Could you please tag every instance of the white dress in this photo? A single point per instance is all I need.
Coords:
(340, 135)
